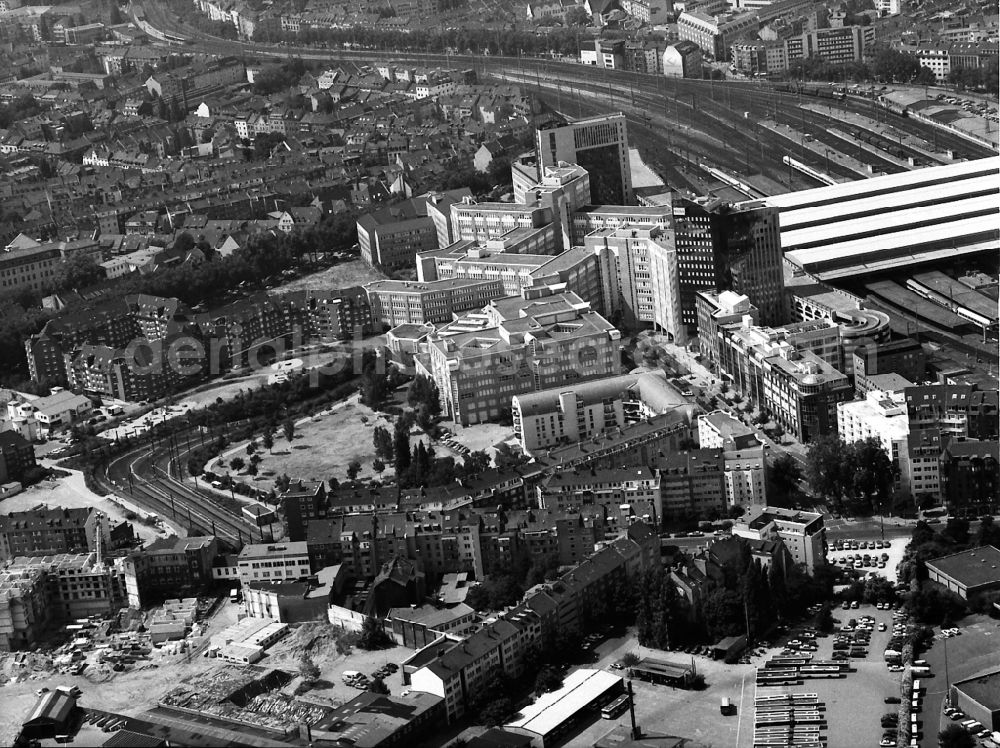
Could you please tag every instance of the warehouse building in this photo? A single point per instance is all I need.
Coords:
(979, 698)
(554, 714)
(967, 573)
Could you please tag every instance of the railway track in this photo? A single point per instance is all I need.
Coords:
(143, 476)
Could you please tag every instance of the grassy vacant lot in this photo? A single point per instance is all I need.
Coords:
(342, 275)
(323, 446)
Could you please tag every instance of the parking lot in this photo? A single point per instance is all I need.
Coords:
(972, 652)
(888, 551)
(854, 703)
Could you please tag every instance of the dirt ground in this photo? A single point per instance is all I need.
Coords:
(70, 492)
(481, 435)
(330, 688)
(130, 692)
(342, 275)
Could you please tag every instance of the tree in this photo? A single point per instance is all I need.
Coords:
(629, 659)
(378, 685)
(824, 619)
(378, 466)
(496, 712)
(288, 429)
(989, 533)
(184, 242)
(548, 679)
(353, 469)
(382, 441)
(401, 448)
(577, 16)
(955, 736)
(373, 635)
(237, 463)
(957, 531)
(308, 669)
(478, 598)
(872, 472)
(828, 467)
(783, 477)
(267, 441)
(78, 271)
(251, 448)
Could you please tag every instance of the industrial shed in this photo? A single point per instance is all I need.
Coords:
(54, 714)
(553, 715)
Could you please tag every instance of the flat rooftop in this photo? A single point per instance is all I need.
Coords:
(972, 568)
(983, 689)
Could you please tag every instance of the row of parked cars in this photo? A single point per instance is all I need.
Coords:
(860, 545)
(970, 725)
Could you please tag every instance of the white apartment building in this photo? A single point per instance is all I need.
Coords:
(882, 416)
(802, 532)
(573, 414)
(639, 270)
(274, 562)
(745, 477)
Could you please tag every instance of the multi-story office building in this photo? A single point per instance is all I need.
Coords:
(803, 533)
(503, 260)
(480, 222)
(533, 342)
(715, 34)
(692, 484)
(273, 562)
(572, 415)
(600, 146)
(904, 358)
(412, 302)
(640, 273)
(716, 310)
(593, 217)
(798, 388)
(836, 46)
(563, 187)
(721, 247)
(390, 238)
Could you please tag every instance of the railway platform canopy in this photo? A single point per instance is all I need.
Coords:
(893, 221)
